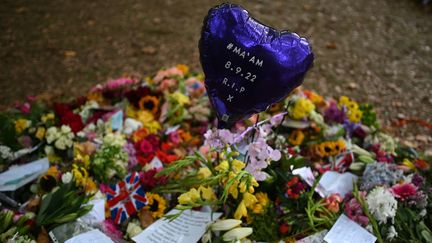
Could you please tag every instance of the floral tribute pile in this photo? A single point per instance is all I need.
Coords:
(147, 146)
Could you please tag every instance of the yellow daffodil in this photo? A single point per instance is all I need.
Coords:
(241, 211)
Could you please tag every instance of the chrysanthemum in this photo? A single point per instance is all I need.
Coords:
(156, 204)
(382, 204)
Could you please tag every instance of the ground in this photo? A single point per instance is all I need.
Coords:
(376, 51)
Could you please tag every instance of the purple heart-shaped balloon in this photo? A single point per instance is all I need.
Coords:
(248, 66)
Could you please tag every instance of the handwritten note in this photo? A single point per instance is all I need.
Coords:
(188, 227)
(18, 176)
(334, 182)
(346, 231)
(93, 236)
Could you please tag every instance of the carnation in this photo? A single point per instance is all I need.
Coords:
(382, 204)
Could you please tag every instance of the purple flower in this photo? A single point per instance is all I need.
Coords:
(219, 138)
(130, 150)
(334, 114)
(260, 154)
(417, 180)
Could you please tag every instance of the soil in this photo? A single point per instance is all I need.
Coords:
(376, 51)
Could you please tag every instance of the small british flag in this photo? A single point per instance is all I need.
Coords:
(125, 198)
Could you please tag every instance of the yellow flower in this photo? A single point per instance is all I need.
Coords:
(241, 211)
(223, 166)
(262, 198)
(249, 199)
(147, 119)
(203, 173)
(190, 197)
(149, 103)
(96, 96)
(237, 165)
(21, 125)
(180, 98)
(183, 68)
(47, 117)
(52, 171)
(131, 111)
(207, 193)
(242, 186)
(355, 115)
(233, 190)
(409, 164)
(344, 100)
(296, 137)
(156, 204)
(302, 108)
(40, 133)
(90, 186)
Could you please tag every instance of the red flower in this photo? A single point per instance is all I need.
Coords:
(145, 147)
(149, 180)
(284, 228)
(143, 160)
(67, 117)
(166, 158)
(403, 191)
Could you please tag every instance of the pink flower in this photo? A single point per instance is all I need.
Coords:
(332, 202)
(109, 228)
(117, 83)
(174, 137)
(354, 210)
(174, 71)
(403, 191)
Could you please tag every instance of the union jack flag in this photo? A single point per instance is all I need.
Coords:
(125, 197)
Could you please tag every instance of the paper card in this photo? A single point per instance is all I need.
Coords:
(97, 213)
(172, 129)
(156, 163)
(346, 231)
(334, 182)
(306, 174)
(18, 176)
(94, 236)
(117, 121)
(315, 238)
(190, 226)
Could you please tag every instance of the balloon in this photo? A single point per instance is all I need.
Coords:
(247, 65)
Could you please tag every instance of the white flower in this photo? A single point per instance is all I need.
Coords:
(226, 224)
(51, 134)
(237, 234)
(114, 139)
(66, 177)
(391, 233)
(131, 125)
(133, 229)
(206, 238)
(65, 129)
(381, 204)
(60, 144)
(6, 152)
(49, 150)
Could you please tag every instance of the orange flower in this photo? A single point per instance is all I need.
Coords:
(332, 203)
(150, 103)
(140, 134)
(296, 138)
